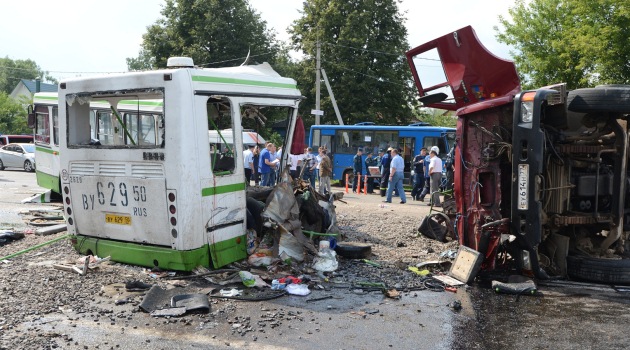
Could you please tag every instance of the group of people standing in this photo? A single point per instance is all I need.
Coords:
(262, 166)
(427, 175)
(427, 178)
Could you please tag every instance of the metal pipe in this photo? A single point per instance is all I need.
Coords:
(35, 247)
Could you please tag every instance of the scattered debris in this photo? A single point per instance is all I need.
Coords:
(51, 230)
(7, 237)
(455, 305)
(191, 302)
(298, 289)
(518, 285)
(137, 286)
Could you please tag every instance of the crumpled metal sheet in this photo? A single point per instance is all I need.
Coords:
(281, 204)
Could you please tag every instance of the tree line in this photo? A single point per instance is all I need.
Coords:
(580, 42)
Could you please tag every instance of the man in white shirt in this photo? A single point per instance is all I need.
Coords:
(435, 172)
(248, 163)
(396, 177)
(294, 159)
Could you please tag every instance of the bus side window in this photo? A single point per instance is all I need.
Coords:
(42, 126)
(222, 160)
(104, 128)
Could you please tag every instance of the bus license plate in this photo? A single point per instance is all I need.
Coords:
(523, 182)
(117, 219)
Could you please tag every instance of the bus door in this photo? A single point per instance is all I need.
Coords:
(223, 183)
(47, 147)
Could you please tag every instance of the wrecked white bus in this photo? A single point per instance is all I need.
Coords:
(541, 176)
(169, 203)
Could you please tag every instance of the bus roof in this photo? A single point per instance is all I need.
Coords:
(383, 127)
(258, 79)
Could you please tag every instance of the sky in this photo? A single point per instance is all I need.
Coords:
(71, 38)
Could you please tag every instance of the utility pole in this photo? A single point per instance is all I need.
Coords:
(317, 84)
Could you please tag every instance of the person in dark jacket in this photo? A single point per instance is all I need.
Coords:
(357, 170)
(385, 162)
(418, 176)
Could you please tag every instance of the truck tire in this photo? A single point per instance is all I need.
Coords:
(353, 250)
(612, 271)
(604, 98)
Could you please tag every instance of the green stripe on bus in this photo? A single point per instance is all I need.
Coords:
(141, 103)
(46, 98)
(205, 79)
(47, 150)
(228, 251)
(144, 255)
(48, 181)
(211, 191)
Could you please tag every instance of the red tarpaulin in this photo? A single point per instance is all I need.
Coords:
(297, 147)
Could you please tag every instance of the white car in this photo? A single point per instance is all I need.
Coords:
(18, 155)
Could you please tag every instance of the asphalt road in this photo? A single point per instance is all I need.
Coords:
(566, 316)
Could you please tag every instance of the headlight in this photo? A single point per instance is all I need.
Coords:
(527, 112)
(527, 107)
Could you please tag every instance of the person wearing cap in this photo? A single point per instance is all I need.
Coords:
(370, 161)
(396, 177)
(435, 170)
(248, 163)
(357, 170)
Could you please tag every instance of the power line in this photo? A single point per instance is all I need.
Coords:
(235, 59)
(367, 75)
(381, 52)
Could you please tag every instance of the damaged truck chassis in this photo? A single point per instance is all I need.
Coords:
(541, 176)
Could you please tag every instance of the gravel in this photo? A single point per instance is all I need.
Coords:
(35, 294)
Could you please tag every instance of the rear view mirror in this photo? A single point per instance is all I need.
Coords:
(32, 120)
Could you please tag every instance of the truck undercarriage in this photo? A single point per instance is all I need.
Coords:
(541, 176)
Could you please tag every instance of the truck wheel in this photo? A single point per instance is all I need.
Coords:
(614, 271)
(350, 174)
(604, 98)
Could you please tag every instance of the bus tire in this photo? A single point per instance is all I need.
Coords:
(604, 98)
(613, 271)
(350, 175)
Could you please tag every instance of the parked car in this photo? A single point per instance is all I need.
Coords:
(18, 155)
(7, 139)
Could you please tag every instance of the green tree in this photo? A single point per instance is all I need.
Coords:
(362, 51)
(213, 32)
(436, 117)
(144, 61)
(580, 42)
(12, 116)
(11, 71)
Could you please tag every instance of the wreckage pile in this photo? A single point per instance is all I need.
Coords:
(39, 299)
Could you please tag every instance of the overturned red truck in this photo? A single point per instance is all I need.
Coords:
(541, 177)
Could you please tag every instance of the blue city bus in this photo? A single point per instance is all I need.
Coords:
(342, 141)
